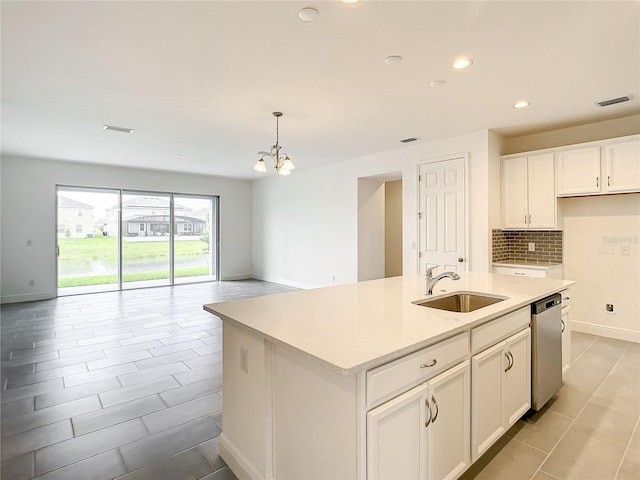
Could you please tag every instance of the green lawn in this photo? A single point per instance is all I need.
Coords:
(106, 248)
(130, 277)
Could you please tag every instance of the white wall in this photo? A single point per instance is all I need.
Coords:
(305, 226)
(28, 213)
(371, 231)
(595, 231)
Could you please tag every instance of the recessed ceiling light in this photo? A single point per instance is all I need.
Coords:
(117, 129)
(177, 155)
(350, 1)
(461, 63)
(437, 83)
(308, 14)
(521, 104)
(393, 59)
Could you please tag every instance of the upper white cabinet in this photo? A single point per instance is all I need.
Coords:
(578, 171)
(622, 162)
(601, 168)
(528, 192)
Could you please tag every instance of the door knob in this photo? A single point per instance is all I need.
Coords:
(460, 259)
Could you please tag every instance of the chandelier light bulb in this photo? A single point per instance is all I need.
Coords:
(288, 164)
(260, 166)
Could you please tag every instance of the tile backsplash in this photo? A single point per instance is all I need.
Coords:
(513, 246)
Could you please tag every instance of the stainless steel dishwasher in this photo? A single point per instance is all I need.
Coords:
(546, 351)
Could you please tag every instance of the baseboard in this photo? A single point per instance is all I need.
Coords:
(602, 331)
(237, 462)
(27, 297)
(237, 276)
(288, 283)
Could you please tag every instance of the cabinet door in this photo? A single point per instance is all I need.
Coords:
(541, 188)
(516, 396)
(487, 376)
(514, 192)
(578, 171)
(396, 436)
(448, 436)
(623, 167)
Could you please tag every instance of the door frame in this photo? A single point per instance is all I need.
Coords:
(444, 158)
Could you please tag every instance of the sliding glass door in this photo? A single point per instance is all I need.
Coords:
(123, 239)
(146, 233)
(87, 244)
(194, 239)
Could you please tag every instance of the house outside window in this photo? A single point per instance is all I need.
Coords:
(60, 228)
(80, 212)
(79, 228)
(142, 227)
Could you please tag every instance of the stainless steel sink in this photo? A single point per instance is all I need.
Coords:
(462, 302)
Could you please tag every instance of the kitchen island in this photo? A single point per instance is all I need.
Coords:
(312, 378)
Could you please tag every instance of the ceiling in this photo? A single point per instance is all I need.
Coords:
(198, 81)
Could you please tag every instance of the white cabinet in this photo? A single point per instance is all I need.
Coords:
(528, 192)
(607, 167)
(578, 171)
(501, 389)
(552, 271)
(622, 162)
(423, 433)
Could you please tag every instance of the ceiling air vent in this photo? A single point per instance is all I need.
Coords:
(117, 129)
(409, 140)
(613, 101)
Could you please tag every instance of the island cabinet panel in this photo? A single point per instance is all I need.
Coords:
(423, 433)
(315, 433)
(500, 389)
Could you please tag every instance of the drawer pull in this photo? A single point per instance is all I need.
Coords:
(427, 365)
(519, 273)
(428, 409)
(510, 360)
(435, 404)
(563, 326)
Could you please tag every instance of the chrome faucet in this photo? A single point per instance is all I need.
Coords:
(430, 281)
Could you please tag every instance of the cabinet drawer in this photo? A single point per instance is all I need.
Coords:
(521, 272)
(393, 378)
(496, 330)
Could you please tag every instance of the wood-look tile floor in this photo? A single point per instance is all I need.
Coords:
(123, 385)
(589, 430)
(127, 385)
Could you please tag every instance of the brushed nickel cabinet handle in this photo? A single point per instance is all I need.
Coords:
(508, 362)
(435, 404)
(427, 365)
(428, 409)
(598, 182)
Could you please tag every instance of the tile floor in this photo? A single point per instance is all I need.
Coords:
(127, 385)
(588, 431)
(123, 385)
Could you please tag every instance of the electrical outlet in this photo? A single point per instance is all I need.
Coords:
(32, 283)
(532, 247)
(624, 249)
(244, 359)
(29, 243)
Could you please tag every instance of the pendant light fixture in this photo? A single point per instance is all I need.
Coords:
(282, 163)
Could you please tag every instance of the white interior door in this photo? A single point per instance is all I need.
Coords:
(442, 215)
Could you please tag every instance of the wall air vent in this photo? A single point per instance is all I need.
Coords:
(409, 140)
(613, 101)
(117, 129)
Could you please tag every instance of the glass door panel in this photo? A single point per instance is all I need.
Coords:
(195, 239)
(87, 240)
(146, 233)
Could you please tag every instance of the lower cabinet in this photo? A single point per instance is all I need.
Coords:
(501, 389)
(423, 433)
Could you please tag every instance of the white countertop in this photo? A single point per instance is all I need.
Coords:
(349, 328)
